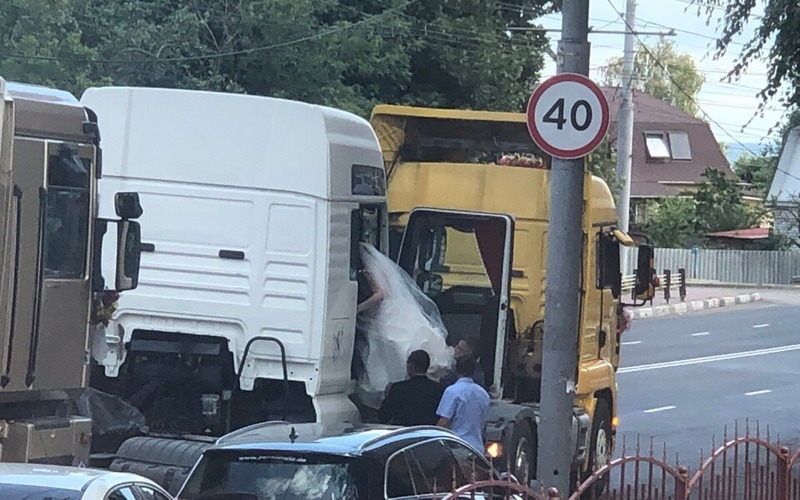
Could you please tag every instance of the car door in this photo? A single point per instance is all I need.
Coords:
(422, 470)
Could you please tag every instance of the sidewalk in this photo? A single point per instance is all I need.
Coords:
(700, 297)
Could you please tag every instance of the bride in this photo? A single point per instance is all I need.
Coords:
(395, 320)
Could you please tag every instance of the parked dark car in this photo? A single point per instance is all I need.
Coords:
(314, 462)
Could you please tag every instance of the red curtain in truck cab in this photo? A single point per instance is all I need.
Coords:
(491, 237)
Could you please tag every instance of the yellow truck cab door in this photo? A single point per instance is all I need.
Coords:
(462, 262)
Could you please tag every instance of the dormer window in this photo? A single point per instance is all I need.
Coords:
(656, 143)
(665, 146)
(679, 146)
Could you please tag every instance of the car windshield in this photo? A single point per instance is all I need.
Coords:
(31, 492)
(266, 476)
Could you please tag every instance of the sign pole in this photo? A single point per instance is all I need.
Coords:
(564, 264)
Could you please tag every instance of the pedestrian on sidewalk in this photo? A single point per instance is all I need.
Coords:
(465, 405)
(412, 401)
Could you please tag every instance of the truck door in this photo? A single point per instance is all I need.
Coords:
(462, 261)
(46, 344)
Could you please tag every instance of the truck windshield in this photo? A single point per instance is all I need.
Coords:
(67, 222)
(266, 476)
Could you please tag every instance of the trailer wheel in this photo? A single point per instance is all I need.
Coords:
(600, 448)
(522, 452)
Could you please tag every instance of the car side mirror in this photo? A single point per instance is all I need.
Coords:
(645, 273)
(129, 253)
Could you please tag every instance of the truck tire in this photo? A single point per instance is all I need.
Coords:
(168, 462)
(599, 448)
(522, 452)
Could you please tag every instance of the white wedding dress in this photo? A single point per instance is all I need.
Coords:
(404, 321)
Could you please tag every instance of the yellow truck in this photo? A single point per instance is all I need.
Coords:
(468, 218)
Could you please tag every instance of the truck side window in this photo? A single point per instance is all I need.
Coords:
(67, 217)
(365, 227)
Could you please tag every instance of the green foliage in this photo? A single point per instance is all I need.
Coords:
(776, 39)
(720, 206)
(717, 205)
(672, 223)
(757, 171)
(350, 54)
(663, 73)
(603, 163)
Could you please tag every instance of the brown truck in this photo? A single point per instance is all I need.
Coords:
(52, 291)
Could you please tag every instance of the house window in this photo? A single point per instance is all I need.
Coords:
(679, 146)
(656, 143)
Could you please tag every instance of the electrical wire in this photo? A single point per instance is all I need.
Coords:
(688, 95)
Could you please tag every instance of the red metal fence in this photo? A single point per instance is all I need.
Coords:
(747, 465)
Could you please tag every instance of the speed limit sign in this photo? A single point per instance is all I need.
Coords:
(568, 116)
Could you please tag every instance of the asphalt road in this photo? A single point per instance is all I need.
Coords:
(683, 379)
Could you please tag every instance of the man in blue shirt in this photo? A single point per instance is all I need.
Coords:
(465, 405)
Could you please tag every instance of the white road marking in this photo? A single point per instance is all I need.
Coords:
(635, 342)
(709, 359)
(756, 393)
(700, 334)
(660, 408)
(763, 325)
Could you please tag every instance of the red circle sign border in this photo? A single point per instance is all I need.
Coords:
(604, 123)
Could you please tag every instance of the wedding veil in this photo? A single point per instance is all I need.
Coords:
(404, 321)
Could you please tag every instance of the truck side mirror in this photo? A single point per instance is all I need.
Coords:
(431, 284)
(127, 205)
(129, 253)
(609, 274)
(645, 273)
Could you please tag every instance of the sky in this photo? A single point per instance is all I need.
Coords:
(732, 105)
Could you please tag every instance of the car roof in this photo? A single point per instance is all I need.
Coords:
(68, 478)
(338, 439)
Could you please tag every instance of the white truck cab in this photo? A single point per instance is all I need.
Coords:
(254, 209)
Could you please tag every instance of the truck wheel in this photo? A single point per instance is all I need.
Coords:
(600, 448)
(522, 456)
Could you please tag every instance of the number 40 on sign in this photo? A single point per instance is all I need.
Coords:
(568, 116)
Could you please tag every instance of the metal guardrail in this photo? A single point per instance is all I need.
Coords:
(668, 281)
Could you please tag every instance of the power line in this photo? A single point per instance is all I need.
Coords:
(288, 43)
(680, 88)
(691, 97)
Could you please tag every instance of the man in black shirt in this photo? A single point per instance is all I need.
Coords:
(413, 401)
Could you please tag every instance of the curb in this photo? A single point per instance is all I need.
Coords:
(695, 305)
(720, 284)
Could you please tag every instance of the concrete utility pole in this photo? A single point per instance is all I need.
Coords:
(625, 128)
(564, 262)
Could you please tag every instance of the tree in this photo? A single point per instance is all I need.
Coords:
(603, 163)
(720, 206)
(350, 54)
(716, 205)
(757, 171)
(663, 73)
(776, 38)
(672, 223)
